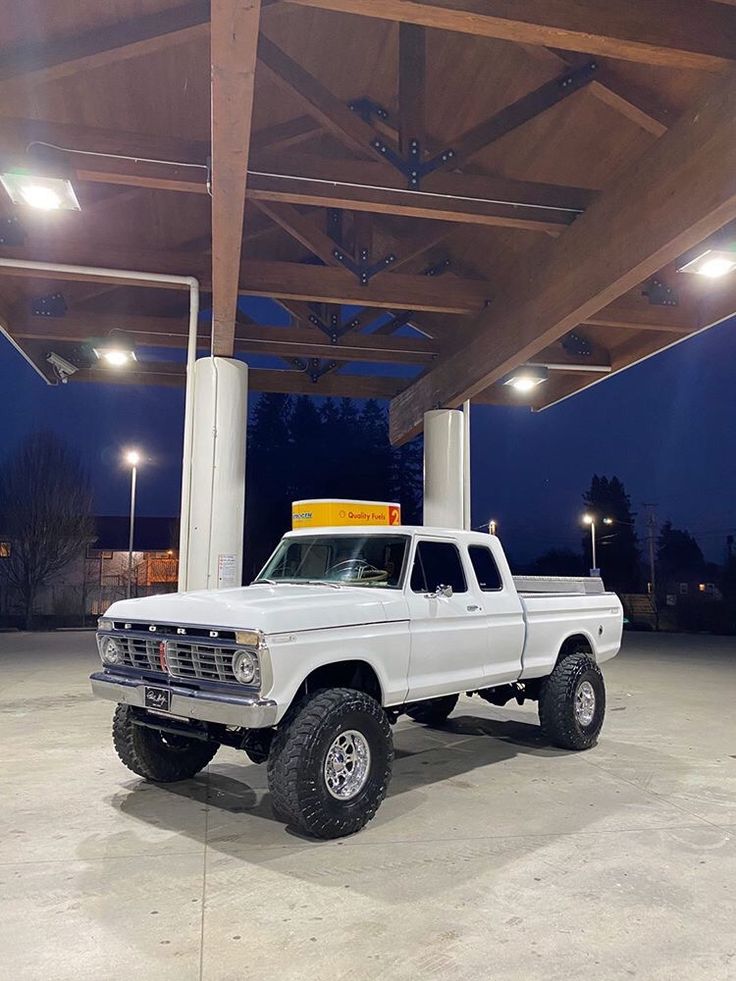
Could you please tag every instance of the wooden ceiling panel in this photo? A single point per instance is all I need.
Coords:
(34, 20)
(162, 99)
(351, 56)
(166, 93)
(469, 79)
(579, 142)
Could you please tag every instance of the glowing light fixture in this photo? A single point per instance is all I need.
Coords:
(713, 263)
(133, 458)
(588, 519)
(115, 353)
(42, 193)
(527, 378)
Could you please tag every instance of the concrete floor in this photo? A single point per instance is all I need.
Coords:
(494, 856)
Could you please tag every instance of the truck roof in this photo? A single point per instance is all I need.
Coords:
(455, 533)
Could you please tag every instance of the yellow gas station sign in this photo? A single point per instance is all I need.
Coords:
(336, 513)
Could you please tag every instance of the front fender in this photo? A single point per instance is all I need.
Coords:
(383, 646)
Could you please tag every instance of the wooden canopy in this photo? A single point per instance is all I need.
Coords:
(429, 193)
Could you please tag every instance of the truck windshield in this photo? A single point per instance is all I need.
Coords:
(350, 560)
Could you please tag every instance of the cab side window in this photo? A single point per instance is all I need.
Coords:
(485, 568)
(437, 564)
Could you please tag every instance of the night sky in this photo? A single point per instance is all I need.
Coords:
(666, 428)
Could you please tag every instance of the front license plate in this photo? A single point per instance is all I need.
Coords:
(157, 698)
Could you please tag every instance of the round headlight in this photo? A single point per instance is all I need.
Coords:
(245, 667)
(111, 651)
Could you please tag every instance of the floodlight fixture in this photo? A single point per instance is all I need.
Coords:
(527, 378)
(116, 351)
(712, 264)
(40, 192)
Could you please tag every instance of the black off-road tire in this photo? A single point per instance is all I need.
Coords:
(296, 763)
(435, 711)
(158, 756)
(557, 703)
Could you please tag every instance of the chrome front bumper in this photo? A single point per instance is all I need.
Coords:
(247, 711)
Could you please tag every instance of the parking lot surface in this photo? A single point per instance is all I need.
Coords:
(495, 856)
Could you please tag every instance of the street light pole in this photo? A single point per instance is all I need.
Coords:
(592, 541)
(133, 459)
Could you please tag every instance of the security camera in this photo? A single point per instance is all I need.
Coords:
(63, 368)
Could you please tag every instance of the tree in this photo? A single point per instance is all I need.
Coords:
(558, 562)
(45, 514)
(618, 545)
(678, 555)
(407, 481)
(298, 451)
(269, 483)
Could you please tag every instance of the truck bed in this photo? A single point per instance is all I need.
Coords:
(554, 585)
(551, 611)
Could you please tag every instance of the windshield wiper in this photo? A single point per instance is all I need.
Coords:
(301, 582)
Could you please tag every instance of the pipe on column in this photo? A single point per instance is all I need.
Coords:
(192, 284)
(466, 466)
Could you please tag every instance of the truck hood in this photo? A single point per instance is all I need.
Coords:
(273, 609)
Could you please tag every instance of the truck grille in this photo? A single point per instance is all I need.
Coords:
(184, 660)
(199, 661)
(139, 653)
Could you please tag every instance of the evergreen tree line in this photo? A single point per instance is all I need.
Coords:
(623, 557)
(300, 449)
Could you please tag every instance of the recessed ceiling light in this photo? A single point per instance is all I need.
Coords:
(42, 193)
(526, 379)
(713, 263)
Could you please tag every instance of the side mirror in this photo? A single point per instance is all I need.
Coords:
(444, 591)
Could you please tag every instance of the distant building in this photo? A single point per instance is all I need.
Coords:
(89, 584)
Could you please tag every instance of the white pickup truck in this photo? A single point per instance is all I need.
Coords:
(343, 631)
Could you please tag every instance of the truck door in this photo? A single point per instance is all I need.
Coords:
(502, 616)
(449, 647)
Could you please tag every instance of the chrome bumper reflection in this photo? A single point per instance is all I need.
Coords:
(247, 711)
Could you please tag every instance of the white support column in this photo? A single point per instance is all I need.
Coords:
(443, 468)
(217, 504)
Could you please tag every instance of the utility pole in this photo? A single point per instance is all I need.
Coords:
(651, 534)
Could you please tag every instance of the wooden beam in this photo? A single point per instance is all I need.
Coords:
(412, 86)
(284, 135)
(679, 192)
(319, 102)
(17, 133)
(334, 384)
(368, 186)
(524, 109)
(301, 228)
(688, 34)
(633, 311)
(289, 280)
(55, 58)
(79, 326)
(639, 103)
(234, 39)
(395, 291)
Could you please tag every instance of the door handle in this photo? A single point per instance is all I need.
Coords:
(473, 607)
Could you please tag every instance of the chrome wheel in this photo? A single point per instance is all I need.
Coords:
(584, 703)
(347, 765)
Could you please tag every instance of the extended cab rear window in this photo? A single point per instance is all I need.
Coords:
(437, 564)
(485, 568)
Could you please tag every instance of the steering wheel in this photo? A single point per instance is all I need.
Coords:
(358, 570)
